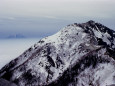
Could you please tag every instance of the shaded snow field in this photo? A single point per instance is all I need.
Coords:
(12, 48)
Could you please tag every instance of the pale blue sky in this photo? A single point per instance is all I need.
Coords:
(39, 18)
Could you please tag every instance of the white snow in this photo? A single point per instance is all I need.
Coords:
(105, 75)
(102, 75)
(97, 33)
(103, 36)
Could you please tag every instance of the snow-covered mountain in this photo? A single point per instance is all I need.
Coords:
(77, 55)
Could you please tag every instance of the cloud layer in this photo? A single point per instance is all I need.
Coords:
(39, 15)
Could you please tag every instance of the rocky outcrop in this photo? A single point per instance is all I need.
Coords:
(4, 82)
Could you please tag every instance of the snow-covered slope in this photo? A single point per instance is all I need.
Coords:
(78, 55)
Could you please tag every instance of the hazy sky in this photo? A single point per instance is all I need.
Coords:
(35, 18)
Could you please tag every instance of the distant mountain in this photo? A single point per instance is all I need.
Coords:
(16, 36)
(78, 55)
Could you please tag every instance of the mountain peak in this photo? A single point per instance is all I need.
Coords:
(91, 22)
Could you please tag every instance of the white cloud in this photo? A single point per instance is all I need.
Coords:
(40, 12)
(11, 18)
(57, 8)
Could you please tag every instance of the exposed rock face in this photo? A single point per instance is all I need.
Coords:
(4, 82)
(78, 55)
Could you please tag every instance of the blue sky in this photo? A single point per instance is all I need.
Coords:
(39, 18)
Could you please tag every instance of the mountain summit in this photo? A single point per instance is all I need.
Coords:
(77, 55)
